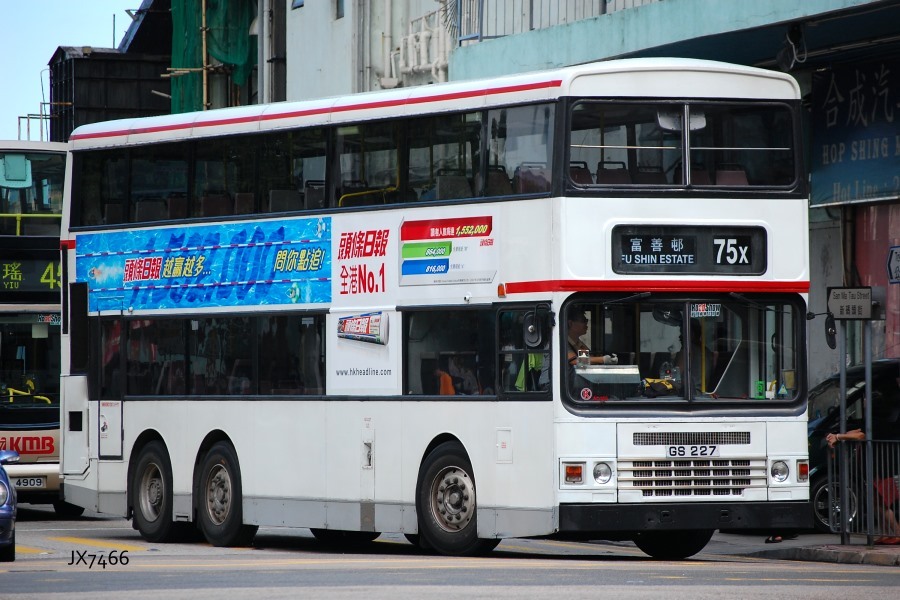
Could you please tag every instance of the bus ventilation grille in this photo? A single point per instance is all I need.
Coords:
(691, 438)
(698, 478)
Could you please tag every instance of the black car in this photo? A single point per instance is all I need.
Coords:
(7, 509)
(824, 418)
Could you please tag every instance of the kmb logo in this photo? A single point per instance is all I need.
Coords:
(28, 444)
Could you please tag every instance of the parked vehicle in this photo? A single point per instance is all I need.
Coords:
(824, 417)
(7, 509)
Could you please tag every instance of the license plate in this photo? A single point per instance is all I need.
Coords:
(691, 451)
(23, 483)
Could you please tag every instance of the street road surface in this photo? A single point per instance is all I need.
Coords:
(99, 556)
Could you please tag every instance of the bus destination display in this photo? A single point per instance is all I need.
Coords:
(29, 275)
(689, 250)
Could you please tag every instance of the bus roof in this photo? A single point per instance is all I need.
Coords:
(32, 146)
(638, 77)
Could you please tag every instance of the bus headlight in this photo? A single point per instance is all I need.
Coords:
(780, 471)
(4, 493)
(602, 473)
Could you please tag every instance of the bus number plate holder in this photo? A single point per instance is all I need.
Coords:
(697, 451)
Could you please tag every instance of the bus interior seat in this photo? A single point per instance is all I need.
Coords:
(579, 172)
(150, 209)
(498, 183)
(452, 186)
(615, 175)
(730, 175)
(650, 176)
(699, 175)
(218, 205)
(314, 190)
(177, 204)
(244, 203)
(531, 178)
(285, 200)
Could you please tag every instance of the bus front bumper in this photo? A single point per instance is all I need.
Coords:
(586, 518)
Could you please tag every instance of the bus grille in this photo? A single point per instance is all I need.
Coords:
(691, 438)
(696, 478)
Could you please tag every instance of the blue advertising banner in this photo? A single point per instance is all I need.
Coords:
(856, 143)
(249, 263)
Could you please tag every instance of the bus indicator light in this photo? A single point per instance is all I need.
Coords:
(574, 473)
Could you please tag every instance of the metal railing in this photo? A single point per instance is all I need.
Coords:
(867, 500)
(477, 20)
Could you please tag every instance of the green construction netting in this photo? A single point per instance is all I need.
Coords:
(228, 40)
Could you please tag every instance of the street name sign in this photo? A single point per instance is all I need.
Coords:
(850, 303)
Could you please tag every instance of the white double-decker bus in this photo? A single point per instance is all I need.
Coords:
(568, 303)
(31, 196)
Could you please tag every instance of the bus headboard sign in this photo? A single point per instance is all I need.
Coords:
(638, 249)
(29, 275)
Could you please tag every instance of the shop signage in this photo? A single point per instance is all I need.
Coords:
(856, 148)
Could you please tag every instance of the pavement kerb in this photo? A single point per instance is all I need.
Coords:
(860, 555)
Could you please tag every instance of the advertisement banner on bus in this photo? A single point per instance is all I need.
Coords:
(229, 264)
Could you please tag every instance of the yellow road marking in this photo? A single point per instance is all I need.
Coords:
(28, 550)
(77, 541)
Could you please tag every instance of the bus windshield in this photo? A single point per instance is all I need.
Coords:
(31, 192)
(703, 349)
(638, 143)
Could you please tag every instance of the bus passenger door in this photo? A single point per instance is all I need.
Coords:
(75, 449)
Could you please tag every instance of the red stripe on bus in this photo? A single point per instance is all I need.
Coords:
(326, 109)
(656, 285)
(66, 244)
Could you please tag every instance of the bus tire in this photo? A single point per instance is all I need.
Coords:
(151, 494)
(67, 511)
(219, 501)
(446, 504)
(826, 500)
(673, 545)
(340, 538)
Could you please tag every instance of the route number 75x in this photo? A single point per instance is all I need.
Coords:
(731, 252)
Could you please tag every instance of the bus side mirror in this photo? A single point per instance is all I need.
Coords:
(532, 328)
(830, 331)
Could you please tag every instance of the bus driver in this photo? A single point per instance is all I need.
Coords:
(577, 327)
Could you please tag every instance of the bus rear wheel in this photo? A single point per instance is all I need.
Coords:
(446, 503)
(220, 499)
(673, 545)
(151, 494)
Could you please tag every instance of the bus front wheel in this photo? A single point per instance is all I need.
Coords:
(220, 497)
(151, 494)
(673, 545)
(446, 506)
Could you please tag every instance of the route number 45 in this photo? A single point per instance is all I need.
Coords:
(729, 250)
